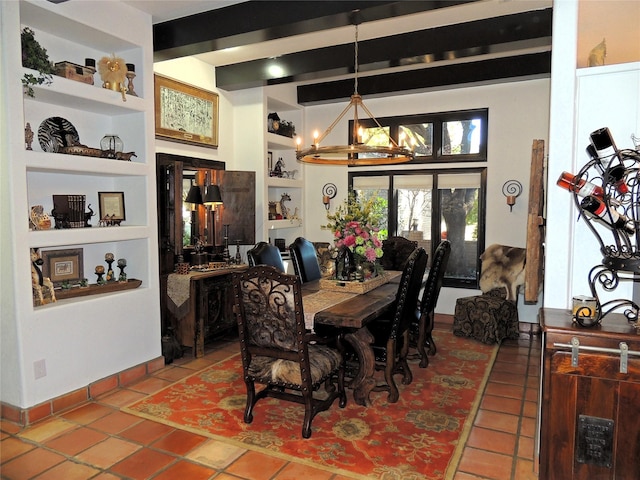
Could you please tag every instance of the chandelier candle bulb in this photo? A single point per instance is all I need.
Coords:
(581, 187)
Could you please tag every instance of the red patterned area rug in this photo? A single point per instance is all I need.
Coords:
(419, 437)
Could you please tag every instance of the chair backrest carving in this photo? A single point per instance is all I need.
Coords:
(264, 253)
(305, 260)
(269, 308)
(408, 291)
(396, 251)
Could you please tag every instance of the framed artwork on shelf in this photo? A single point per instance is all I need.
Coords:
(185, 113)
(112, 206)
(63, 266)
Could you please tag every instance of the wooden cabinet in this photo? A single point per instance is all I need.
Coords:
(209, 308)
(590, 427)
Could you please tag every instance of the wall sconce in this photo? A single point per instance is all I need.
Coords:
(329, 191)
(512, 190)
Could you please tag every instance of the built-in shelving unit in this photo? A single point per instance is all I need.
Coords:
(82, 339)
(282, 147)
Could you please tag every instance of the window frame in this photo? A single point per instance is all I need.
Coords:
(438, 120)
(436, 212)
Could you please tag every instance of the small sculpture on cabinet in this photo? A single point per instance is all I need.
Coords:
(109, 258)
(42, 286)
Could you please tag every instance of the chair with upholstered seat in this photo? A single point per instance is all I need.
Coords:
(391, 330)
(264, 253)
(276, 349)
(396, 251)
(305, 260)
(422, 325)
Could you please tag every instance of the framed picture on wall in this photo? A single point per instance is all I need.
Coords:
(185, 113)
(63, 265)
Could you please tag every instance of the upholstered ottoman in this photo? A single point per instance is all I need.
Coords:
(488, 318)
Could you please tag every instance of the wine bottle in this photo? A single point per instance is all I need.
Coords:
(609, 216)
(579, 186)
(604, 145)
(615, 176)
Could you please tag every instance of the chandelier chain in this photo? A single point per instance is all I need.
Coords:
(356, 63)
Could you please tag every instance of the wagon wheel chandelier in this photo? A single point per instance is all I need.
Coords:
(350, 154)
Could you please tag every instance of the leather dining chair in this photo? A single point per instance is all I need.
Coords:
(264, 253)
(422, 324)
(277, 351)
(391, 330)
(305, 260)
(396, 251)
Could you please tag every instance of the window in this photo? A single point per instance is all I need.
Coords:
(427, 206)
(439, 137)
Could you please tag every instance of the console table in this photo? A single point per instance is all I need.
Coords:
(590, 399)
(202, 305)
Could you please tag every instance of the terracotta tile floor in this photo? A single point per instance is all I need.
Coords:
(96, 441)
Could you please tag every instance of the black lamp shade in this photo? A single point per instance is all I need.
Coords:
(194, 195)
(213, 197)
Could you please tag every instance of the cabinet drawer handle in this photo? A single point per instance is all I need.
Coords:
(623, 351)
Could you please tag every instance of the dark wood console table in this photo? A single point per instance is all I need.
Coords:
(590, 426)
(208, 308)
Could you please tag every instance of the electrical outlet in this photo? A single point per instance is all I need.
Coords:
(40, 368)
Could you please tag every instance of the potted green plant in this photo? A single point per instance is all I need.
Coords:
(36, 58)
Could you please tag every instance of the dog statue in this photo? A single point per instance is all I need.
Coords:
(43, 291)
(503, 267)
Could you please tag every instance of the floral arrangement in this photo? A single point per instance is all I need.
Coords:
(355, 225)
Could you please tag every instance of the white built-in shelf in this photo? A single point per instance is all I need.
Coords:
(276, 224)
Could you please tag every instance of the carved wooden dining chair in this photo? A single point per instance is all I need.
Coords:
(305, 260)
(396, 251)
(276, 349)
(422, 323)
(264, 253)
(391, 330)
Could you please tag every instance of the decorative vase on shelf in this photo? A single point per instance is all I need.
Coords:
(112, 143)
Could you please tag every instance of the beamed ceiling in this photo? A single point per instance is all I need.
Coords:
(403, 45)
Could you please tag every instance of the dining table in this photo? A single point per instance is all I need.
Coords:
(350, 313)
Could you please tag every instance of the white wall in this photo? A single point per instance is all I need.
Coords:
(518, 114)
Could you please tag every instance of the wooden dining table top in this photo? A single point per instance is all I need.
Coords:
(358, 310)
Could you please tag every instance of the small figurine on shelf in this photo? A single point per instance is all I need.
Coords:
(28, 136)
(43, 291)
(100, 272)
(122, 263)
(84, 283)
(87, 216)
(109, 258)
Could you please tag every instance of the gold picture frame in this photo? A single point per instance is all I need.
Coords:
(112, 206)
(185, 113)
(63, 265)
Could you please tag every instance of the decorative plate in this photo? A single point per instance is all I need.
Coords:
(55, 133)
